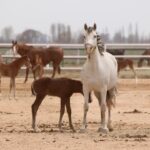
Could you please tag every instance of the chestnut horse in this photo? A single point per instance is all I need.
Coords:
(123, 62)
(60, 87)
(54, 54)
(140, 62)
(11, 70)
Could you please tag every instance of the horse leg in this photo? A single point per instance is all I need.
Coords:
(54, 70)
(62, 110)
(41, 71)
(109, 100)
(103, 127)
(26, 77)
(14, 87)
(59, 70)
(140, 62)
(69, 114)
(99, 97)
(34, 73)
(111, 95)
(34, 107)
(86, 107)
(118, 69)
(148, 62)
(0, 86)
(133, 70)
(10, 87)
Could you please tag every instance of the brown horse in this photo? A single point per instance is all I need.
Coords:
(123, 62)
(39, 68)
(141, 60)
(11, 70)
(60, 87)
(54, 54)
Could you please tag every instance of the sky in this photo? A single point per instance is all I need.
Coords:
(110, 14)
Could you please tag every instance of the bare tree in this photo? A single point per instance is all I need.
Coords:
(7, 34)
(32, 36)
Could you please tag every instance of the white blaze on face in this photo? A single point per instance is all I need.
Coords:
(14, 50)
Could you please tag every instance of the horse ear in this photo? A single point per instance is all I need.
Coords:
(94, 27)
(13, 42)
(85, 26)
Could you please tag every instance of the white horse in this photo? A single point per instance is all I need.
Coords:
(99, 74)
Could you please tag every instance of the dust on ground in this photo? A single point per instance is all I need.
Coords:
(131, 120)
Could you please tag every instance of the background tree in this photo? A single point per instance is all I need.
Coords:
(7, 34)
(32, 36)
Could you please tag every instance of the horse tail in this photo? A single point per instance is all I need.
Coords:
(111, 97)
(32, 89)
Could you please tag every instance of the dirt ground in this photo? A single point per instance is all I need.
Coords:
(131, 120)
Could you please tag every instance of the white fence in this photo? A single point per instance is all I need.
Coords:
(81, 46)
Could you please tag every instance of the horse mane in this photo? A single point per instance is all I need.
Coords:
(25, 47)
(90, 29)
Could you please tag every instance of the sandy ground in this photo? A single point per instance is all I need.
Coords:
(131, 120)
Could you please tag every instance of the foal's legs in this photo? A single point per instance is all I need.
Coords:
(0, 84)
(26, 77)
(69, 114)
(62, 110)
(35, 106)
(12, 85)
(34, 72)
(41, 71)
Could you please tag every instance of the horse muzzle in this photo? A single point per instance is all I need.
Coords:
(89, 48)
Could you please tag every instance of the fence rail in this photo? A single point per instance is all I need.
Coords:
(133, 46)
(81, 46)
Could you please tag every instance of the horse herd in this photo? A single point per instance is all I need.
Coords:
(99, 74)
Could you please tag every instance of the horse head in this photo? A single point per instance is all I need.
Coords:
(14, 47)
(90, 38)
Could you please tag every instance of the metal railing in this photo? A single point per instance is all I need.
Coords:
(81, 46)
(133, 46)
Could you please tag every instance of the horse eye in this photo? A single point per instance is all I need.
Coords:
(95, 36)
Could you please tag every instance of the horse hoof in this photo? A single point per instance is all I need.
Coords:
(36, 129)
(111, 129)
(73, 130)
(103, 130)
(82, 130)
(16, 99)
(61, 130)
